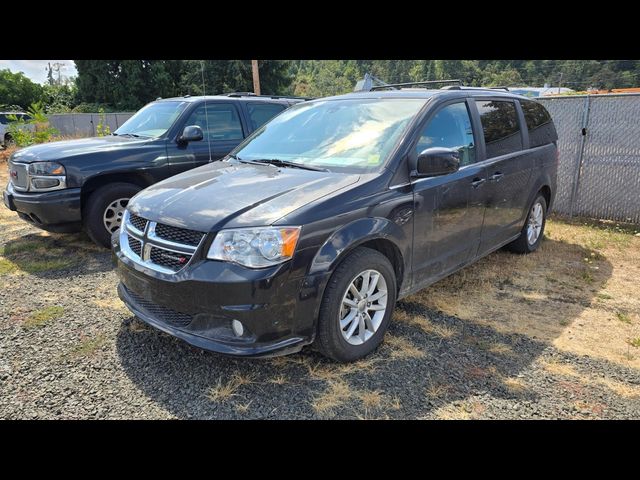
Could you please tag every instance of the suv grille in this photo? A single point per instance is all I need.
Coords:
(137, 222)
(159, 312)
(18, 175)
(178, 235)
(161, 247)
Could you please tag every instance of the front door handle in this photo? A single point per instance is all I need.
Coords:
(496, 176)
(477, 182)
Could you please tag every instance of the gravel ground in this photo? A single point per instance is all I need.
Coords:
(69, 349)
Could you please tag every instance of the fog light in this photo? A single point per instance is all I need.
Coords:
(45, 182)
(237, 327)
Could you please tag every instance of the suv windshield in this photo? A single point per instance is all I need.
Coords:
(152, 120)
(350, 135)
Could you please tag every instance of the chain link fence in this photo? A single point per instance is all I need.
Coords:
(599, 143)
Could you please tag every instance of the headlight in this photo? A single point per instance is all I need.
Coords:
(45, 176)
(46, 168)
(255, 247)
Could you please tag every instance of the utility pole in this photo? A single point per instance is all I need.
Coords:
(256, 77)
(560, 82)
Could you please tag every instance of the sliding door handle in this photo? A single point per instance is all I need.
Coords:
(496, 177)
(477, 182)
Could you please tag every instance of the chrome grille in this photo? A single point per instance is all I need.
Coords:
(135, 245)
(178, 235)
(18, 175)
(160, 247)
(159, 312)
(137, 222)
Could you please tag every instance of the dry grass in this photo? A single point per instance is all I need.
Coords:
(223, 391)
(335, 395)
(279, 380)
(566, 294)
(425, 324)
(514, 385)
(466, 410)
(436, 390)
(402, 348)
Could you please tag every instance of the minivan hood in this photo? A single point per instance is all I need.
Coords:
(221, 194)
(58, 151)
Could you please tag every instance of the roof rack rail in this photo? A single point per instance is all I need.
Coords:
(397, 86)
(251, 94)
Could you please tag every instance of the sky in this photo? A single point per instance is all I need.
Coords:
(36, 69)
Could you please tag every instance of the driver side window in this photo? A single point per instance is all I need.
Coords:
(450, 128)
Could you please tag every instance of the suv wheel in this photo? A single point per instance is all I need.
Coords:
(357, 306)
(533, 230)
(104, 210)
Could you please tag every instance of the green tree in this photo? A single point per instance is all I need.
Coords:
(16, 89)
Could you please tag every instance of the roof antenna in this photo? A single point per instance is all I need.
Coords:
(206, 114)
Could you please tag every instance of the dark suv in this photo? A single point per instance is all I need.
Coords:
(64, 186)
(316, 224)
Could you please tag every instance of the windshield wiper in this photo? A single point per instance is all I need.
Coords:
(252, 162)
(286, 163)
(127, 135)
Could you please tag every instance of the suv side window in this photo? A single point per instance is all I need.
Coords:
(500, 124)
(541, 128)
(450, 128)
(260, 113)
(224, 122)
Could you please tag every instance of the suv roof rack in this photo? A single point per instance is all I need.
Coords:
(397, 86)
(251, 94)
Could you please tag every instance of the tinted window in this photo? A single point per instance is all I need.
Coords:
(541, 128)
(500, 125)
(259, 113)
(450, 128)
(223, 124)
(3, 119)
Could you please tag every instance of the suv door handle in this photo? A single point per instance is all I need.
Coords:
(477, 182)
(496, 176)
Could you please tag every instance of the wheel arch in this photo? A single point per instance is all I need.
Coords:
(378, 234)
(94, 183)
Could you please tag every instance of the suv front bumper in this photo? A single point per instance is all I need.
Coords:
(56, 211)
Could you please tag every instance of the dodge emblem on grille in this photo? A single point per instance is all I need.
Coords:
(13, 173)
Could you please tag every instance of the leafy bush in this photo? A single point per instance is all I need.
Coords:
(35, 130)
(102, 128)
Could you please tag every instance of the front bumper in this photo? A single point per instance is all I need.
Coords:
(56, 211)
(199, 303)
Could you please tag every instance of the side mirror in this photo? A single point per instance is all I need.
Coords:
(436, 161)
(191, 133)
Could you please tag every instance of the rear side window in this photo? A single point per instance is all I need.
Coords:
(260, 113)
(541, 128)
(500, 125)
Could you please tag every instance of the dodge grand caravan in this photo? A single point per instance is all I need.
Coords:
(315, 225)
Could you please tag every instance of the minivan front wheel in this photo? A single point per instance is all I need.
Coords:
(533, 230)
(357, 306)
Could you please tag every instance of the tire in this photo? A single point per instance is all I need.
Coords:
(523, 243)
(330, 339)
(98, 203)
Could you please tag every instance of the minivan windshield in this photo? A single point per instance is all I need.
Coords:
(152, 120)
(350, 135)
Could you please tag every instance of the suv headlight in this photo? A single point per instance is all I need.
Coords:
(255, 247)
(45, 176)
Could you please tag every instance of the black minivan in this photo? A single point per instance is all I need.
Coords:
(315, 225)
